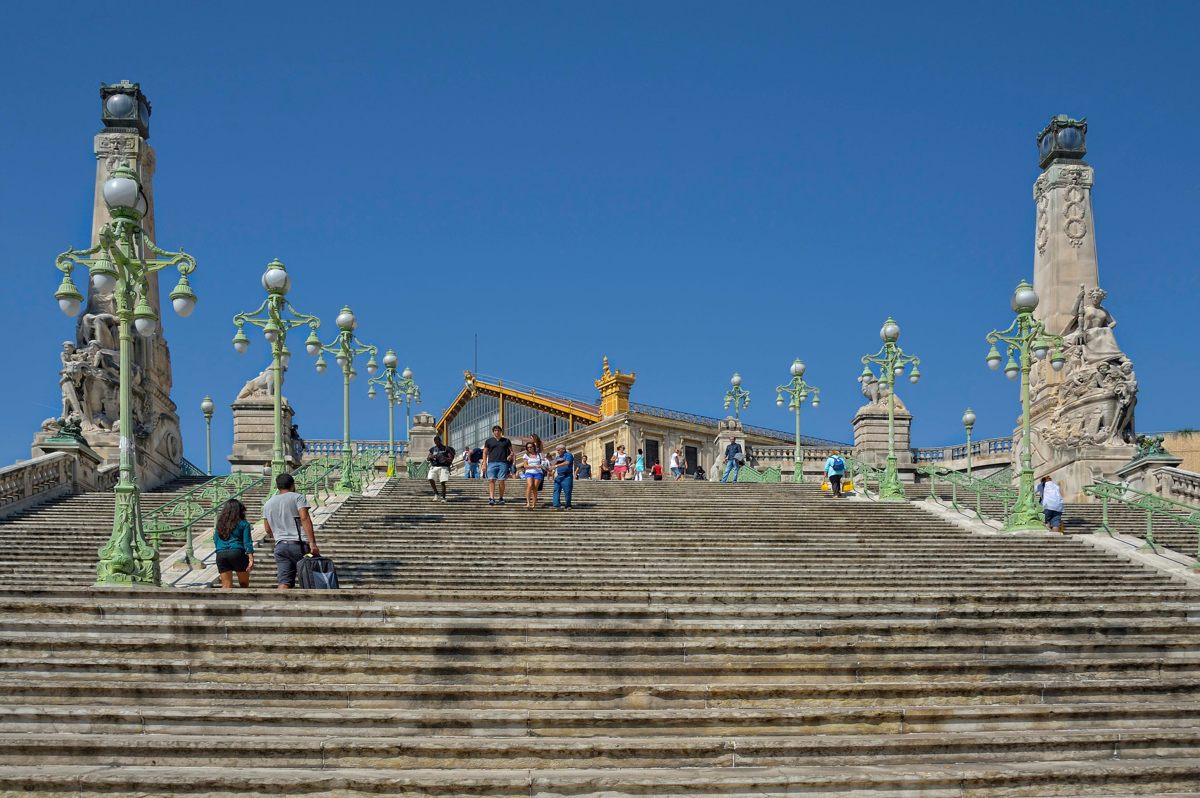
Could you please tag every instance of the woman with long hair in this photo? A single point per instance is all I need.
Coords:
(537, 442)
(233, 540)
(532, 473)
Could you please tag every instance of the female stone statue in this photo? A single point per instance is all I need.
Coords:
(1092, 327)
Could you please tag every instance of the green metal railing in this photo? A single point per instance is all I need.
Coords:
(862, 475)
(178, 517)
(1149, 503)
(316, 478)
(997, 487)
(770, 474)
(418, 470)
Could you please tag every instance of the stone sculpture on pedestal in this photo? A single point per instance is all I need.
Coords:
(1083, 416)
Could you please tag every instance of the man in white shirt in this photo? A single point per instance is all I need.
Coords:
(1052, 503)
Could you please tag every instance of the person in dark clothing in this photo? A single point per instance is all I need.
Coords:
(497, 460)
(440, 459)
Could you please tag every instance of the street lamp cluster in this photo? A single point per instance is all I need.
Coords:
(269, 316)
(1027, 340)
(892, 362)
(120, 265)
(797, 392)
(346, 347)
(396, 389)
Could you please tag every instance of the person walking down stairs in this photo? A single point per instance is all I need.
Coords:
(533, 472)
(835, 469)
(440, 459)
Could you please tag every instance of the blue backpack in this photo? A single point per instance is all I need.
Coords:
(839, 464)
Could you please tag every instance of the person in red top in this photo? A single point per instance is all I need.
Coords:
(657, 471)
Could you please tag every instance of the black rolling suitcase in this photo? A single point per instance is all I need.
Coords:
(316, 573)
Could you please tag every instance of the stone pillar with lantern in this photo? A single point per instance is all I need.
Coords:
(90, 375)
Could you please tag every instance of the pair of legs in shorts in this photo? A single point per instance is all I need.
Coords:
(496, 475)
(231, 561)
(439, 475)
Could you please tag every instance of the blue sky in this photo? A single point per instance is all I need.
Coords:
(689, 188)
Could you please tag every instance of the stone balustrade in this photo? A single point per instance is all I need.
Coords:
(332, 447)
(32, 482)
(988, 448)
(1178, 484)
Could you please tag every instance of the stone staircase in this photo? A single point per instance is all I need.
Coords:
(57, 543)
(660, 639)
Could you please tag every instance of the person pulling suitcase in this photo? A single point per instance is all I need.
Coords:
(286, 518)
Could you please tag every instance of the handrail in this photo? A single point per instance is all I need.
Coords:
(860, 474)
(1148, 502)
(191, 509)
(995, 487)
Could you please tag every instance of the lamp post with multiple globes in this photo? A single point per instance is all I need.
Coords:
(118, 265)
(345, 348)
(269, 316)
(737, 397)
(797, 392)
(390, 391)
(892, 361)
(1027, 340)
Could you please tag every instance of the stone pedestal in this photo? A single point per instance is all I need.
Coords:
(420, 439)
(254, 435)
(1139, 472)
(87, 461)
(871, 435)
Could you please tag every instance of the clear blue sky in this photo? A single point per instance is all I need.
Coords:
(689, 188)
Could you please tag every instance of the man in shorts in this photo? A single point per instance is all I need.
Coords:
(286, 518)
(1052, 502)
(440, 459)
(497, 460)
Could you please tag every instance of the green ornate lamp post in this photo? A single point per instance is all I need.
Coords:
(269, 316)
(892, 361)
(118, 265)
(411, 393)
(391, 391)
(968, 420)
(737, 396)
(798, 391)
(207, 407)
(1026, 339)
(345, 348)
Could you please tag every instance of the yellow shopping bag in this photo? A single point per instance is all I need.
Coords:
(825, 486)
(847, 485)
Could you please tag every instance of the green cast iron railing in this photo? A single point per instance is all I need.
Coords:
(178, 517)
(995, 488)
(1149, 503)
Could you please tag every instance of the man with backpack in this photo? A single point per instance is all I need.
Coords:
(835, 469)
(440, 459)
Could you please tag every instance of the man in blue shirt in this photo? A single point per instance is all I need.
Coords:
(564, 477)
(733, 460)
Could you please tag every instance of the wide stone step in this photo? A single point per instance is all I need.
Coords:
(269, 690)
(304, 721)
(398, 752)
(1074, 778)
